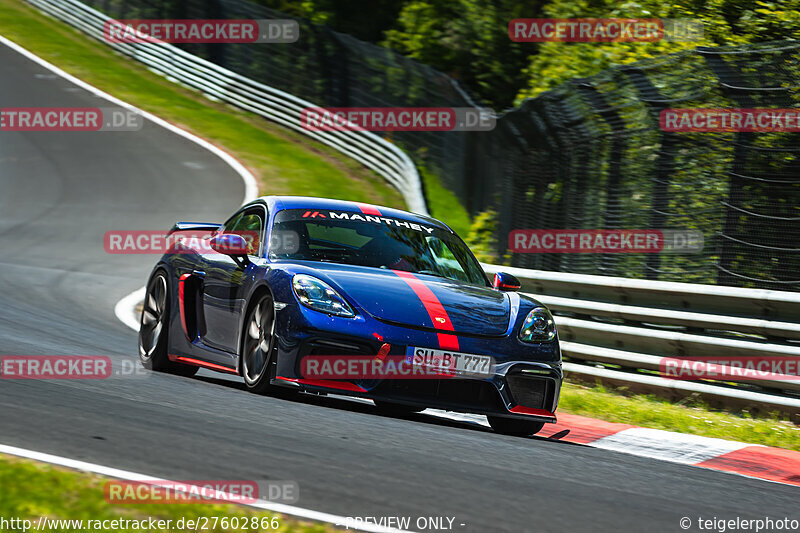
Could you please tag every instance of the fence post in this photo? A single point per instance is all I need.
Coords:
(666, 159)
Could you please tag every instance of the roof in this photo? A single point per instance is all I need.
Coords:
(277, 203)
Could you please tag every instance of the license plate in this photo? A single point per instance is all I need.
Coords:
(450, 363)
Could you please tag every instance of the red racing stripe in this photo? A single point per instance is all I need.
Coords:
(368, 209)
(448, 342)
(434, 307)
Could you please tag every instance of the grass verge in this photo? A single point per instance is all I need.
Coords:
(444, 204)
(283, 161)
(689, 417)
(32, 490)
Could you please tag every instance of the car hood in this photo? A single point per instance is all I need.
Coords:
(420, 300)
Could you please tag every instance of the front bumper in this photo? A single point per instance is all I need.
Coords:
(525, 384)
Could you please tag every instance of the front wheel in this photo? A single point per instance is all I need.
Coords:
(513, 426)
(259, 340)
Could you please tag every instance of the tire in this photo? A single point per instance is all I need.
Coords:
(154, 329)
(258, 343)
(513, 426)
(391, 408)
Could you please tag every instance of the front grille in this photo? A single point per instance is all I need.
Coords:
(331, 347)
(536, 393)
(456, 392)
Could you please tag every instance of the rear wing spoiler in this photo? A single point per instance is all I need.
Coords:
(193, 226)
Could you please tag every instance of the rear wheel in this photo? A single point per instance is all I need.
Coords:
(391, 408)
(153, 329)
(259, 340)
(513, 426)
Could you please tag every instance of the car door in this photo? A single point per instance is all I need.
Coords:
(226, 278)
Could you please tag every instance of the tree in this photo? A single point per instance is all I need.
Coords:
(725, 22)
(468, 40)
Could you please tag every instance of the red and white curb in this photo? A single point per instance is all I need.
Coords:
(751, 460)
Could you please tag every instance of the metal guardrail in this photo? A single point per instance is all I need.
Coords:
(618, 330)
(367, 148)
(612, 329)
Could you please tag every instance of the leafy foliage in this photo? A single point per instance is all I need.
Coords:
(482, 239)
(466, 39)
(725, 22)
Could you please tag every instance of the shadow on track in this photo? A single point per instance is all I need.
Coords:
(362, 405)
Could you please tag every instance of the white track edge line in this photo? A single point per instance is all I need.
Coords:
(133, 476)
(126, 308)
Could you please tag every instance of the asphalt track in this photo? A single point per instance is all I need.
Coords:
(60, 192)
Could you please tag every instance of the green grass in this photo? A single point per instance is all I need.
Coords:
(32, 490)
(690, 417)
(444, 204)
(284, 162)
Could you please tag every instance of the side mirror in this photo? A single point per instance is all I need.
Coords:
(505, 282)
(229, 244)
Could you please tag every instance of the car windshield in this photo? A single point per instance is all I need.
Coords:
(372, 241)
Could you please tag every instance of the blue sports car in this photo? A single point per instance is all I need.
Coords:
(330, 296)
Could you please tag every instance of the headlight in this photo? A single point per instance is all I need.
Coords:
(538, 326)
(319, 296)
